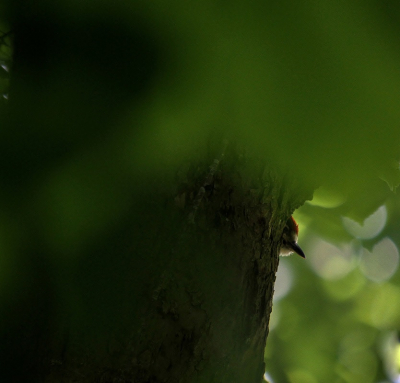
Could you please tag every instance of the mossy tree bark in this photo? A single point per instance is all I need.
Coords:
(181, 291)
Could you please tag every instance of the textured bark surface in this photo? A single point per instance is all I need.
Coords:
(188, 296)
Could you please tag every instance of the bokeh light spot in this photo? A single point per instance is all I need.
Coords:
(345, 288)
(370, 228)
(327, 198)
(267, 378)
(380, 264)
(329, 261)
(284, 280)
(274, 318)
(390, 353)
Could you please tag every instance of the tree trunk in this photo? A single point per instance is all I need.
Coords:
(181, 291)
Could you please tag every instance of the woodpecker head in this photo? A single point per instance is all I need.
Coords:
(289, 239)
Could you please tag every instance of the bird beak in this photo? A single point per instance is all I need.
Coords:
(297, 249)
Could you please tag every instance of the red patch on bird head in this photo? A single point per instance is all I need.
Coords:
(295, 225)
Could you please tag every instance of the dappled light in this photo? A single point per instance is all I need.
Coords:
(284, 280)
(345, 288)
(390, 352)
(327, 198)
(267, 378)
(382, 262)
(370, 228)
(330, 261)
(348, 289)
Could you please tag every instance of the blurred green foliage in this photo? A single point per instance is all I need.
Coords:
(311, 87)
(106, 99)
(339, 320)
